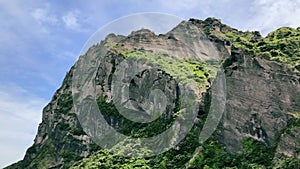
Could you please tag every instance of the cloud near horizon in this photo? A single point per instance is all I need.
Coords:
(20, 114)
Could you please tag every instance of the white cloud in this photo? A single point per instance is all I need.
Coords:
(20, 113)
(261, 15)
(270, 15)
(44, 16)
(127, 24)
(182, 5)
(70, 20)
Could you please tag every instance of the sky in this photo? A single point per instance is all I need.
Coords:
(40, 40)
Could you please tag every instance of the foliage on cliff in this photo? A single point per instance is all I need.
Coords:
(281, 45)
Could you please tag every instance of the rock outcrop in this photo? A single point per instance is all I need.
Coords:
(259, 100)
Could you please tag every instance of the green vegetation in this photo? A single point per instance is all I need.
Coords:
(106, 160)
(288, 163)
(296, 115)
(244, 40)
(210, 155)
(281, 45)
(171, 159)
(213, 155)
(65, 103)
(69, 156)
(45, 158)
(292, 123)
(182, 69)
(128, 127)
(256, 152)
(174, 158)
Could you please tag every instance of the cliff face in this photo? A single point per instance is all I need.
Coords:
(59, 139)
(262, 101)
(259, 101)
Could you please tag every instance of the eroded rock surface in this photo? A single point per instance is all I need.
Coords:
(260, 96)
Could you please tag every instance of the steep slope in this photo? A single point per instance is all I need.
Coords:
(260, 125)
(60, 139)
(260, 99)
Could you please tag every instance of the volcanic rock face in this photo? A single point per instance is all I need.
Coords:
(262, 95)
(59, 135)
(259, 100)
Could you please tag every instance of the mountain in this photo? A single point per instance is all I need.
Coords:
(260, 126)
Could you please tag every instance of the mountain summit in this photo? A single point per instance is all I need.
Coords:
(260, 126)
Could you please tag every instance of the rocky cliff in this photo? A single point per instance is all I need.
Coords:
(260, 124)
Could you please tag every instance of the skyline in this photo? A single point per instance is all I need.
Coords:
(41, 40)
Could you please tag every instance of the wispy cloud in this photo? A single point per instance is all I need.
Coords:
(71, 19)
(179, 5)
(75, 20)
(43, 16)
(270, 15)
(261, 15)
(127, 24)
(20, 113)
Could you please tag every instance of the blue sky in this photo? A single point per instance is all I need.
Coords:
(40, 40)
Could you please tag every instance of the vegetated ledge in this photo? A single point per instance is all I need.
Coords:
(281, 45)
